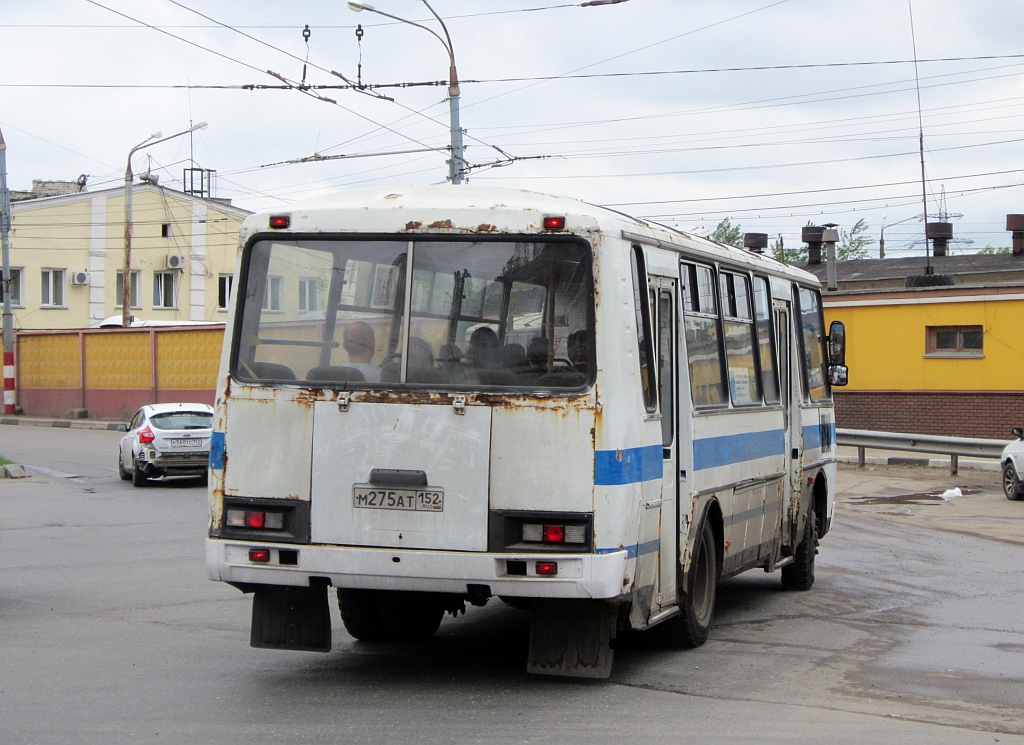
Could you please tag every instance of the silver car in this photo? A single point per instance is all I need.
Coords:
(1013, 466)
(166, 440)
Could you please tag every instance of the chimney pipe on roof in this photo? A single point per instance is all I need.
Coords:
(812, 236)
(1015, 223)
(755, 242)
(939, 233)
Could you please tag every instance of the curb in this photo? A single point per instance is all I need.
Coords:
(896, 460)
(60, 423)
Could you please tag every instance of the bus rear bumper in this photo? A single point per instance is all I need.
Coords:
(584, 576)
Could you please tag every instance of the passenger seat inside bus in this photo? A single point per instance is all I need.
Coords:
(271, 371)
(339, 374)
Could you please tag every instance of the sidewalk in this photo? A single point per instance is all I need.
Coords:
(28, 421)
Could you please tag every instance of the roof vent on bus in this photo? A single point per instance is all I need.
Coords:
(755, 242)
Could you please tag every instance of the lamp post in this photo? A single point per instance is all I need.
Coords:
(456, 165)
(9, 405)
(881, 235)
(126, 280)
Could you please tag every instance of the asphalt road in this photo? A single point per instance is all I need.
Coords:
(110, 632)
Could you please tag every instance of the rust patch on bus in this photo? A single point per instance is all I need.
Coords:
(486, 228)
(440, 225)
(413, 225)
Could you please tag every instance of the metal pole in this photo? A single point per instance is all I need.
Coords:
(8, 319)
(456, 164)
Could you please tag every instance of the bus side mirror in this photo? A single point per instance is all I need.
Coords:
(837, 343)
(838, 375)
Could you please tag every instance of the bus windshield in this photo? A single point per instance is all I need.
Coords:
(466, 314)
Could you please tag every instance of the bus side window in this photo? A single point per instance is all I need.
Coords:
(666, 371)
(703, 343)
(740, 350)
(763, 322)
(643, 328)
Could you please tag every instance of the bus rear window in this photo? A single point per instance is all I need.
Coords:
(439, 313)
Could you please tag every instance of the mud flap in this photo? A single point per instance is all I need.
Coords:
(572, 638)
(291, 618)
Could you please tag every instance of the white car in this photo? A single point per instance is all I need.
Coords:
(166, 440)
(1013, 466)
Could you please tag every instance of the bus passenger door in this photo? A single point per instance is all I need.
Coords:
(789, 384)
(664, 316)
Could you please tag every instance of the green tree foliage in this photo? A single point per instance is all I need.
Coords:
(854, 244)
(729, 234)
(990, 249)
(788, 255)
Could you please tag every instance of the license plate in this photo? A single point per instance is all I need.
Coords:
(187, 442)
(416, 500)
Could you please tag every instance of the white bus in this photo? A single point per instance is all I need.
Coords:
(438, 395)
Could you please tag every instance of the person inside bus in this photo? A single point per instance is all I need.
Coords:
(577, 349)
(360, 344)
(483, 347)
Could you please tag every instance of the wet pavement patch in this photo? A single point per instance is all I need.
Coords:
(938, 496)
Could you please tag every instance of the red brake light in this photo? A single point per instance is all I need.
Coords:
(544, 568)
(146, 435)
(259, 555)
(280, 221)
(552, 222)
(255, 520)
(554, 534)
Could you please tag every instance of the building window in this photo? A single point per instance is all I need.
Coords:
(133, 292)
(272, 298)
(954, 341)
(308, 296)
(163, 289)
(53, 288)
(14, 288)
(165, 230)
(225, 284)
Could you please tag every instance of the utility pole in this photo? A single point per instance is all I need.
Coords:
(10, 394)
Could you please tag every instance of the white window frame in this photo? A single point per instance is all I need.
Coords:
(222, 280)
(272, 294)
(309, 288)
(17, 287)
(160, 290)
(52, 283)
(133, 291)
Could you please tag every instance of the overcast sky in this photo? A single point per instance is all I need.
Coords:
(826, 131)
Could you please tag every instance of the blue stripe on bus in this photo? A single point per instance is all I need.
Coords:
(714, 452)
(635, 550)
(629, 466)
(217, 451)
(813, 432)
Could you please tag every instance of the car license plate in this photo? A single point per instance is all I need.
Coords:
(187, 442)
(418, 500)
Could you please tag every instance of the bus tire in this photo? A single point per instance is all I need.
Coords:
(697, 604)
(410, 616)
(799, 575)
(360, 612)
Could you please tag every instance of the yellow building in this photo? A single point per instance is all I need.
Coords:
(67, 257)
(931, 354)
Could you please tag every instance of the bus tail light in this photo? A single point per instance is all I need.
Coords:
(546, 568)
(556, 534)
(553, 222)
(279, 222)
(255, 519)
(259, 555)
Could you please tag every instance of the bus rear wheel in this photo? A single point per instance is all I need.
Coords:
(799, 575)
(360, 612)
(697, 605)
(378, 615)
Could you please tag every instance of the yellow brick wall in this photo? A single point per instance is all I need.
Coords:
(49, 361)
(188, 360)
(118, 360)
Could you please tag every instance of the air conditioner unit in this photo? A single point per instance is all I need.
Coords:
(175, 262)
(79, 278)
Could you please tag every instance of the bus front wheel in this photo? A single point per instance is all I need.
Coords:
(697, 604)
(799, 575)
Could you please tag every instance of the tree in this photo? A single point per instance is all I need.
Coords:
(729, 234)
(854, 244)
(788, 255)
(990, 249)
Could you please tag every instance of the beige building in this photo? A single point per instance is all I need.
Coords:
(67, 257)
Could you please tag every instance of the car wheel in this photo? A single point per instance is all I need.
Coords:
(1012, 487)
(125, 476)
(138, 475)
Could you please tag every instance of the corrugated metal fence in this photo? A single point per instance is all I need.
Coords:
(110, 373)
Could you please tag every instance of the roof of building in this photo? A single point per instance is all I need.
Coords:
(962, 269)
(44, 202)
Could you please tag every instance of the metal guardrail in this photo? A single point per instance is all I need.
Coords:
(954, 447)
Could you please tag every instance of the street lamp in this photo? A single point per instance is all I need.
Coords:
(126, 280)
(881, 235)
(456, 165)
